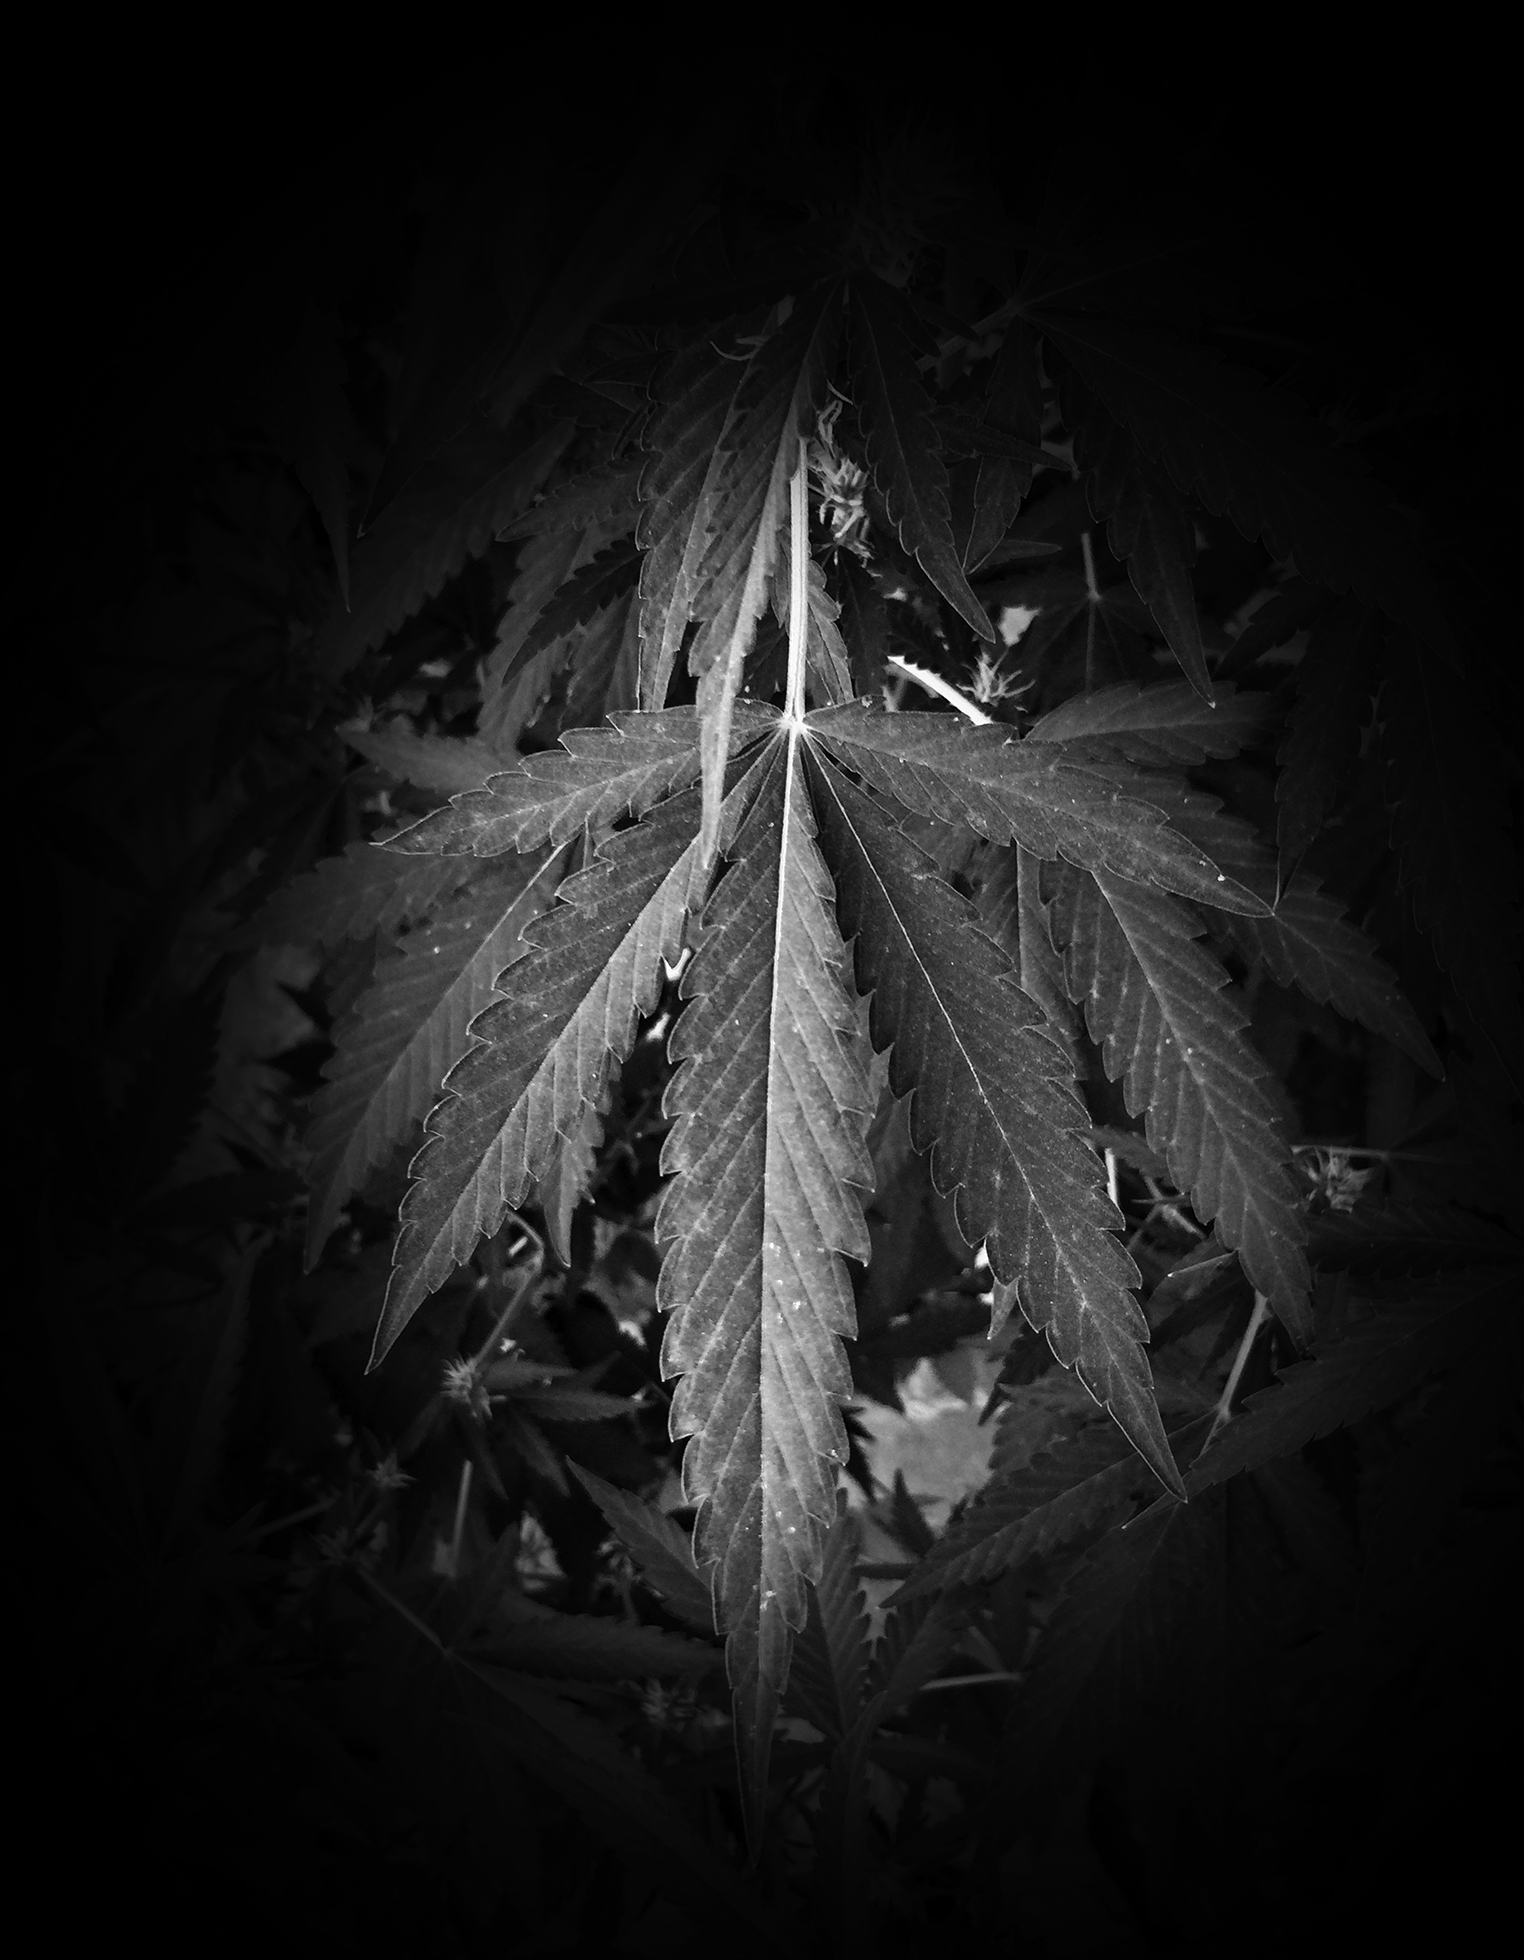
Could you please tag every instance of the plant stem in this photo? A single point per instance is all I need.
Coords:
(1222, 1412)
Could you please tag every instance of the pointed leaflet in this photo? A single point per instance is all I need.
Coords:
(606, 577)
(1069, 1492)
(995, 1103)
(769, 1170)
(610, 492)
(1155, 1003)
(545, 560)
(1377, 1360)
(1150, 530)
(724, 446)
(596, 777)
(1054, 802)
(393, 1050)
(903, 451)
(545, 1051)
(828, 665)
(1162, 725)
(536, 1639)
(1307, 941)
(1335, 688)
(1014, 405)
(449, 514)
(1252, 453)
(364, 890)
(1407, 1238)
(1010, 905)
(663, 1552)
(444, 763)
(1447, 775)
(829, 1675)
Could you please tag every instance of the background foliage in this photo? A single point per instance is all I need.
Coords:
(420, 1656)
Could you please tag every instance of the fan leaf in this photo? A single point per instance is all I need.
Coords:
(449, 514)
(995, 1103)
(1253, 454)
(396, 1046)
(1155, 1002)
(904, 453)
(1160, 726)
(1053, 802)
(544, 1052)
(769, 1171)
(597, 777)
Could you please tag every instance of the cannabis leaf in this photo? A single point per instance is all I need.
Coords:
(1054, 802)
(1253, 453)
(449, 514)
(903, 451)
(769, 1171)
(395, 1048)
(544, 1053)
(1150, 529)
(994, 1101)
(726, 447)
(350, 896)
(1156, 1004)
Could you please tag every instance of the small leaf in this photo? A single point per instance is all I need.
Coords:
(544, 1052)
(903, 451)
(610, 492)
(449, 514)
(995, 1103)
(1155, 1003)
(1160, 726)
(392, 1051)
(1404, 1342)
(1149, 529)
(596, 777)
(360, 892)
(1253, 454)
(1055, 802)
(444, 763)
(662, 1551)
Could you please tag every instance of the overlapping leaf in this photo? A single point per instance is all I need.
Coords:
(1165, 725)
(1155, 1002)
(449, 514)
(1307, 942)
(544, 1052)
(1151, 531)
(769, 1170)
(1054, 802)
(994, 1101)
(610, 493)
(394, 1049)
(903, 452)
(715, 495)
(596, 777)
(1336, 686)
(1060, 1496)
(1014, 406)
(1253, 454)
(1378, 1359)
(361, 891)
(447, 764)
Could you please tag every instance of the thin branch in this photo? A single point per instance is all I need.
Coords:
(1223, 1411)
(934, 684)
